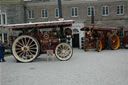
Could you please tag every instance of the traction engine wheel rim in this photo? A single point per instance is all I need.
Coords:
(86, 45)
(63, 51)
(115, 42)
(99, 46)
(25, 48)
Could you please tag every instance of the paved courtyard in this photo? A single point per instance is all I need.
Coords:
(109, 67)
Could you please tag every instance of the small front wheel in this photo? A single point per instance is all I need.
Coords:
(99, 46)
(63, 51)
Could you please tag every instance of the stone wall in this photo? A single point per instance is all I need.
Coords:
(14, 10)
(15, 13)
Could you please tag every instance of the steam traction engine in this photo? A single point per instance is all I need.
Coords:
(37, 38)
(101, 38)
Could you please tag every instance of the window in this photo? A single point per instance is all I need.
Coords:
(30, 14)
(90, 9)
(120, 10)
(105, 11)
(44, 13)
(57, 13)
(0, 20)
(5, 38)
(74, 12)
(3, 19)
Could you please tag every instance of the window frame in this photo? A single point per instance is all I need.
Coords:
(75, 13)
(90, 10)
(105, 10)
(120, 10)
(32, 14)
(43, 12)
(4, 38)
(56, 13)
(1, 19)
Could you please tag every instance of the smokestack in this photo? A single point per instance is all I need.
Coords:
(60, 16)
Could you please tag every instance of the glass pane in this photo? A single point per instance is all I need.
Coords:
(42, 13)
(75, 11)
(46, 13)
(32, 12)
(0, 20)
(103, 10)
(72, 11)
(0, 37)
(122, 9)
(106, 10)
(5, 38)
(29, 14)
(4, 18)
(118, 9)
(57, 12)
(92, 9)
(89, 11)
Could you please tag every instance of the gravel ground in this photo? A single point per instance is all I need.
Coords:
(109, 67)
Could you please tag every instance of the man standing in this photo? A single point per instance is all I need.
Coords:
(1, 52)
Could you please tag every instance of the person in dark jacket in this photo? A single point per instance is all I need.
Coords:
(2, 47)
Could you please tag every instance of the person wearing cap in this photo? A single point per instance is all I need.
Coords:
(2, 46)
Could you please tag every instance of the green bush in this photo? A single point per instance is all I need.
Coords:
(8, 54)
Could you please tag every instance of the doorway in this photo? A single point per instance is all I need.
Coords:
(75, 41)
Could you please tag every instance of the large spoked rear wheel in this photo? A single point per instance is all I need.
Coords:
(25, 48)
(99, 46)
(63, 51)
(114, 42)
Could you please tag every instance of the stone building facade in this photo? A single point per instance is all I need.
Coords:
(111, 19)
(108, 13)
